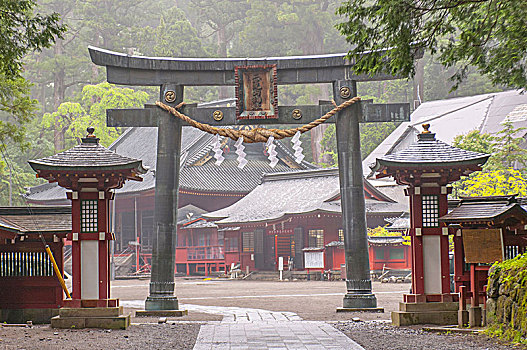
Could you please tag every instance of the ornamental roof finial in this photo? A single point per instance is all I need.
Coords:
(90, 131)
(90, 138)
(426, 127)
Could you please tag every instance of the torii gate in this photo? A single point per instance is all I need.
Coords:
(172, 74)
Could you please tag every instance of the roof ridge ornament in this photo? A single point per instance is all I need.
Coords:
(426, 126)
(426, 134)
(90, 138)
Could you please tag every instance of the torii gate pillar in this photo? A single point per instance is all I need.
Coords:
(358, 282)
(161, 296)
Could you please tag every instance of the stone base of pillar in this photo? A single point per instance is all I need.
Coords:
(462, 318)
(360, 301)
(169, 302)
(440, 313)
(95, 317)
(474, 316)
(161, 313)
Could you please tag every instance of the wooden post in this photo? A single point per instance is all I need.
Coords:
(462, 314)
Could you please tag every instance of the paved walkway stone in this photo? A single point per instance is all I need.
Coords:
(285, 335)
(257, 329)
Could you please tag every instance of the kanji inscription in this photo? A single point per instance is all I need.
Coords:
(256, 92)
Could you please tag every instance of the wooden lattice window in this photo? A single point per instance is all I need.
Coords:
(89, 216)
(341, 235)
(316, 238)
(379, 253)
(430, 210)
(231, 244)
(396, 253)
(248, 241)
(25, 264)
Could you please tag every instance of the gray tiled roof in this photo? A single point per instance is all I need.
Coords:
(372, 240)
(187, 211)
(293, 193)
(88, 155)
(227, 177)
(385, 239)
(482, 209)
(23, 220)
(452, 117)
(141, 143)
(429, 151)
(398, 223)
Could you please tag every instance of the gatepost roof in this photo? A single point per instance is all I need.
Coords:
(88, 155)
(427, 151)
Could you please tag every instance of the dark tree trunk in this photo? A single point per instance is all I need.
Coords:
(59, 90)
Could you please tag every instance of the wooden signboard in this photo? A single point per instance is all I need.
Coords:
(484, 246)
(314, 260)
(256, 92)
(280, 232)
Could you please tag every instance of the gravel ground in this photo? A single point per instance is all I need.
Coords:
(373, 335)
(313, 300)
(143, 336)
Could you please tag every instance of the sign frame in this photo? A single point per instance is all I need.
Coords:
(256, 91)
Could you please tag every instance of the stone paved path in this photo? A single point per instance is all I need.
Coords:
(238, 314)
(257, 329)
(260, 335)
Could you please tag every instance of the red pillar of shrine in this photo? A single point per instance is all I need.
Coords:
(427, 167)
(91, 172)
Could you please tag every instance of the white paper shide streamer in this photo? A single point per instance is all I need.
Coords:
(272, 152)
(218, 152)
(242, 162)
(299, 156)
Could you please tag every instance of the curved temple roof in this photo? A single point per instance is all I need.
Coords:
(88, 155)
(428, 151)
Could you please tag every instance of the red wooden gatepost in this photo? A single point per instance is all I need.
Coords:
(91, 172)
(427, 167)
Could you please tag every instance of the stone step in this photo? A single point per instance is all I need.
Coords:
(401, 318)
(91, 311)
(421, 307)
(116, 322)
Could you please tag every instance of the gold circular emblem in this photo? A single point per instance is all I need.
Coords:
(296, 114)
(217, 115)
(170, 96)
(345, 92)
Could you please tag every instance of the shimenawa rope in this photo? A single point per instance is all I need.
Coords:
(256, 134)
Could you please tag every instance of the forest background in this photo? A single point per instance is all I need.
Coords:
(70, 94)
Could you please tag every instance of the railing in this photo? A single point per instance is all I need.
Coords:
(205, 253)
(25, 264)
(512, 251)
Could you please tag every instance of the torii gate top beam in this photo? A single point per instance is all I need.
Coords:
(138, 70)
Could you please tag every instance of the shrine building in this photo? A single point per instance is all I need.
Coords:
(206, 187)
(485, 230)
(297, 216)
(30, 288)
(202, 183)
